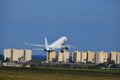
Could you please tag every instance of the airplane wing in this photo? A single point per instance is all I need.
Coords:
(37, 45)
(38, 49)
(68, 46)
(64, 46)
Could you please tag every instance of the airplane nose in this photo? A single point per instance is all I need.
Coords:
(65, 38)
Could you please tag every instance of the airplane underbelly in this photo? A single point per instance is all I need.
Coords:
(56, 45)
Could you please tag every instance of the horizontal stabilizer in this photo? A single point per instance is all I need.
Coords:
(37, 45)
(38, 49)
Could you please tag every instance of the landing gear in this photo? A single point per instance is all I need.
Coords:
(61, 51)
(64, 49)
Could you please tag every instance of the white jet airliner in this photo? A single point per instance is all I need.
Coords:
(58, 44)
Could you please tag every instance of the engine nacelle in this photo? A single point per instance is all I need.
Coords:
(66, 48)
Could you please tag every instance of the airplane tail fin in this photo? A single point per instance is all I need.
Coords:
(46, 44)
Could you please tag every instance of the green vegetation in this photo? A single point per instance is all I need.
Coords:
(57, 74)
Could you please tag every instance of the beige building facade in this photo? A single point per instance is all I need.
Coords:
(115, 56)
(101, 57)
(83, 57)
(51, 56)
(90, 56)
(63, 56)
(78, 56)
(18, 55)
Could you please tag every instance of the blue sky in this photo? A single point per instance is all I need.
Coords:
(88, 24)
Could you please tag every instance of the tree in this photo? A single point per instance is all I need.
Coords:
(7, 59)
(20, 58)
(54, 60)
(113, 61)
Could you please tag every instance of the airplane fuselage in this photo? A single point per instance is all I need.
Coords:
(58, 43)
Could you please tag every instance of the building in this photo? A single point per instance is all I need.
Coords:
(63, 56)
(115, 57)
(51, 56)
(83, 57)
(90, 57)
(78, 57)
(118, 58)
(22, 55)
(101, 57)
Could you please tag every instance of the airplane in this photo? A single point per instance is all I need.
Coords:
(58, 44)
